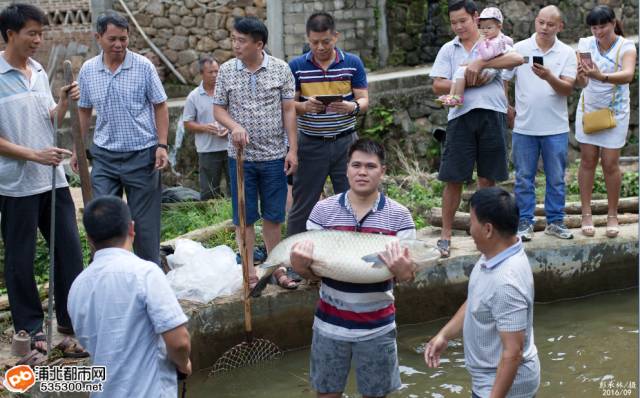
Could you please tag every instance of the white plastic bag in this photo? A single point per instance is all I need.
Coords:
(200, 274)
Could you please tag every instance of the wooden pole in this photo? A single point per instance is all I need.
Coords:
(78, 140)
(244, 251)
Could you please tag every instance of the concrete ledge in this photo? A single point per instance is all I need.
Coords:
(562, 269)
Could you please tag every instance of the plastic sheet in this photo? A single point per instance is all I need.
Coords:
(200, 274)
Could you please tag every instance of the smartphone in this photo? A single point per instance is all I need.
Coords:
(586, 59)
(327, 99)
(538, 60)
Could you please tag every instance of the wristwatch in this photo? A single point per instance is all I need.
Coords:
(164, 146)
(356, 110)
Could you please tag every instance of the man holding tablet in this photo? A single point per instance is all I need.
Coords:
(331, 89)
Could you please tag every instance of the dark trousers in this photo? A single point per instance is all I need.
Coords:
(317, 160)
(21, 218)
(212, 166)
(135, 173)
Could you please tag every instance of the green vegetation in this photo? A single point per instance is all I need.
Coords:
(417, 197)
(382, 118)
(180, 219)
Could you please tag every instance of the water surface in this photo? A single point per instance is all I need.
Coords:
(585, 345)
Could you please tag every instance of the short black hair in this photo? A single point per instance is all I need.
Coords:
(320, 22)
(15, 16)
(113, 18)
(253, 27)
(468, 5)
(603, 14)
(496, 206)
(106, 220)
(369, 146)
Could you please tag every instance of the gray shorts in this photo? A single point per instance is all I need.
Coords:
(376, 363)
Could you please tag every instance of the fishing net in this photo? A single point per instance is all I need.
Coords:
(246, 354)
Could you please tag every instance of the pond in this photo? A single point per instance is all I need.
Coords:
(585, 346)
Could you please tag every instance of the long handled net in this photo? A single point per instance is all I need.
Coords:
(252, 350)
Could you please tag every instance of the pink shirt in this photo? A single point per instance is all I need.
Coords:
(491, 48)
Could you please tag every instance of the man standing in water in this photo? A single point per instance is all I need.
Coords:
(356, 321)
(497, 319)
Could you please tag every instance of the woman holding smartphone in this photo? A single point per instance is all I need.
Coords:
(606, 64)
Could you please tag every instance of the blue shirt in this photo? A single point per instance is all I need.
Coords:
(341, 77)
(123, 101)
(119, 307)
(25, 120)
(453, 55)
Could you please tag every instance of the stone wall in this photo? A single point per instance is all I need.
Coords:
(355, 20)
(186, 29)
(417, 28)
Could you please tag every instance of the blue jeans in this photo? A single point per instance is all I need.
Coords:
(265, 186)
(526, 151)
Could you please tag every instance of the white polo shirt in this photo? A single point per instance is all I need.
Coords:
(539, 109)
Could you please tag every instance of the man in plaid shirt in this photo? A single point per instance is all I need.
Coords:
(130, 138)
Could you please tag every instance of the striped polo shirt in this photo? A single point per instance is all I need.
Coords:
(358, 311)
(343, 75)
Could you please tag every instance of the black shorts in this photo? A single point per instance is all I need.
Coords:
(475, 137)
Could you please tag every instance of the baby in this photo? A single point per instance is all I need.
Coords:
(492, 43)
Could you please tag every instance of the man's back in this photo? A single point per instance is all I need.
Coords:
(119, 306)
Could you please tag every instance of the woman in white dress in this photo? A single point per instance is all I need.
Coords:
(610, 70)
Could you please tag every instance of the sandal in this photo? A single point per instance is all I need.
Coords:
(37, 338)
(612, 231)
(34, 358)
(444, 246)
(587, 229)
(71, 348)
(283, 280)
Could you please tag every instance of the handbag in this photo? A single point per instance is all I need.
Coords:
(602, 119)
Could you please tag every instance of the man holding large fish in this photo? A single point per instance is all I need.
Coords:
(357, 320)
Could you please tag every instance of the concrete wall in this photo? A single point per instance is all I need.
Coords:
(285, 317)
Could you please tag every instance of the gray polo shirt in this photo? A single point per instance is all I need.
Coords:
(199, 108)
(500, 299)
(491, 96)
(25, 120)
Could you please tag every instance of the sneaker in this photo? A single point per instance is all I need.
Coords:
(559, 230)
(525, 230)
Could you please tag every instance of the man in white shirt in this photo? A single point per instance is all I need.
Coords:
(124, 311)
(210, 136)
(542, 121)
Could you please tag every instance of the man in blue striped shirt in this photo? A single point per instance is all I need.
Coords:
(327, 129)
(356, 321)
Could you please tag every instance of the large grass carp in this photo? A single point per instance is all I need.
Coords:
(347, 256)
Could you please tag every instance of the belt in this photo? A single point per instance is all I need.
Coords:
(331, 137)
